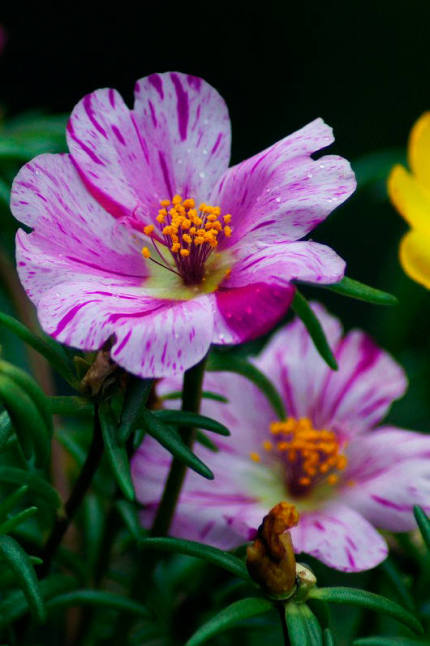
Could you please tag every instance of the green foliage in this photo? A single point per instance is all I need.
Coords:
(220, 558)
(313, 326)
(424, 524)
(185, 418)
(369, 600)
(19, 562)
(354, 289)
(169, 437)
(237, 611)
(116, 452)
(303, 626)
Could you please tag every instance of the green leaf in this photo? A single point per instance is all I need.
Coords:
(222, 559)
(423, 523)
(206, 394)
(305, 313)
(69, 443)
(328, 639)
(362, 292)
(136, 396)
(31, 388)
(37, 485)
(369, 600)
(20, 563)
(226, 363)
(4, 193)
(116, 453)
(6, 429)
(97, 598)
(15, 605)
(388, 641)
(203, 439)
(396, 579)
(10, 501)
(237, 611)
(29, 426)
(129, 515)
(74, 406)
(171, 440)
(46, 346)
(303, 626)
(9, 525)
(95, 520)
(185, 418)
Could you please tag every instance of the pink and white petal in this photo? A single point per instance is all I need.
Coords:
(185, 126)
(152, 337)
(282, 193)
(339, 537)
(222, 512)
(292, 363)
(245, 313)
(111, 155)
(359, 394)
(390, 469)
(43, 266)
(70, 228)
(279, 264)
(249, 424)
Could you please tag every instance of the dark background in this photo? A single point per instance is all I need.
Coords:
(363, 67)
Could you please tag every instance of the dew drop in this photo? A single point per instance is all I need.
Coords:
(202, 175)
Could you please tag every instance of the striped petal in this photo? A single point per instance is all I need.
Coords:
(389, 470)
(341, 538)
(185, 125)
(282, 193)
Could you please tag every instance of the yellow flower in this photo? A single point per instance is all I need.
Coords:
(410, 194)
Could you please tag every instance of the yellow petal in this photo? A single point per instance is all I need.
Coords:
(410, 198)
(419, 150)
(415, 257)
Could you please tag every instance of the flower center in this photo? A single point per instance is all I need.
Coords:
(188, 234)
(312, 456)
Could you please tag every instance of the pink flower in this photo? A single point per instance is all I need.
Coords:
(144, 236)
(346, 476)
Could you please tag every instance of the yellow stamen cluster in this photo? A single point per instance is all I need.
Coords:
(318, 451)
(314, 454)
(187, 226)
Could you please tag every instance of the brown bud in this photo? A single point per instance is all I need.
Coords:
(270, 559)
(99, 373)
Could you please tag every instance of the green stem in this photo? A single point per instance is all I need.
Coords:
(82, 485)
(191, 398)
(286, 638)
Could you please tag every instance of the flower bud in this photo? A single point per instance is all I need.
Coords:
(270, 558)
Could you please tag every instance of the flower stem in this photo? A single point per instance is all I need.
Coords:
(191, 397)
(82, 485)
(281, 610)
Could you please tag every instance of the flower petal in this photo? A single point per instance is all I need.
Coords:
(186, 128)
(359, 394)
(222, 513)
(339, 537)
(391, 471)
(279, 264)
(410, 198)
(73, 235)
(419, 149)
(152, 338)
(293, 364)
(245, 313)
(415, 256)
(111, 156)
(282, 193)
